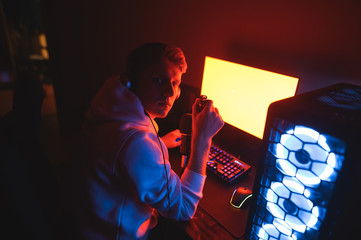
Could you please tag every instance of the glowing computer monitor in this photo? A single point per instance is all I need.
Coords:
(242, 93)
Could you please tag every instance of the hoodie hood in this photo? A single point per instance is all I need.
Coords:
(115, 102)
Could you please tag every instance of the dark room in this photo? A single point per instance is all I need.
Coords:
(183, 119)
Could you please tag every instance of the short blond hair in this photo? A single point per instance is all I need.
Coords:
(151, 53)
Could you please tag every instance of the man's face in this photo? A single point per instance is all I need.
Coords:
(158, 87)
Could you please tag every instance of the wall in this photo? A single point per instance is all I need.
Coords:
(318, 41)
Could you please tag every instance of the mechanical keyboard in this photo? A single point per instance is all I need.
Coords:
(225, 165)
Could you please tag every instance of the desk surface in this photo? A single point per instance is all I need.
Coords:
(215, 218)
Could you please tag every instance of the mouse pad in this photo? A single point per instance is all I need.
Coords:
(216, 202)
(217, 195)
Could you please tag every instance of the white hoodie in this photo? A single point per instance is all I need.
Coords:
(124, 177)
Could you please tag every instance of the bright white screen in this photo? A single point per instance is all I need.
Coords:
(242, 94)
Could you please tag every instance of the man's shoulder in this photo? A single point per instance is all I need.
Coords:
(141, 134)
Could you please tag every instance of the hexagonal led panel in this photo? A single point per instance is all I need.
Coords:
(308, 164)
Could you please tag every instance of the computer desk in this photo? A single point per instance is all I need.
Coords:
(215, 218)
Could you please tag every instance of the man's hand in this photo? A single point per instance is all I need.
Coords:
(205, 124)
(172, 139)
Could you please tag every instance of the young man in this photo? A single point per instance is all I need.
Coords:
(127, 178)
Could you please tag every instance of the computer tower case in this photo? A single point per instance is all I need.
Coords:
(308, 181)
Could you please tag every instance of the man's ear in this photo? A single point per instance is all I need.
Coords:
(178, 93)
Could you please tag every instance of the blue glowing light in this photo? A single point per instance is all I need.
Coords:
(286, 167)
(271, 196)
(316, 152)
(322, 142)
(301, 202)
(305, 158)
(275, 210)
(291, 142)
(307, 178)
(282, 226)
(271, 230)
(280, 189)
(322, 170)
(293, 184)
(282, 151)
(296, 223)
(306, 134)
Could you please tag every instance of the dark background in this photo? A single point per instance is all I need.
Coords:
(88, 41)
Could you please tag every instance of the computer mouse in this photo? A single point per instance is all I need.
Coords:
(240, 196)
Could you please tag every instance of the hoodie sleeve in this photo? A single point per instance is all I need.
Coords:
(142, 157)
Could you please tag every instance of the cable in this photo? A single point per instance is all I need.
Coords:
(166, 175)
